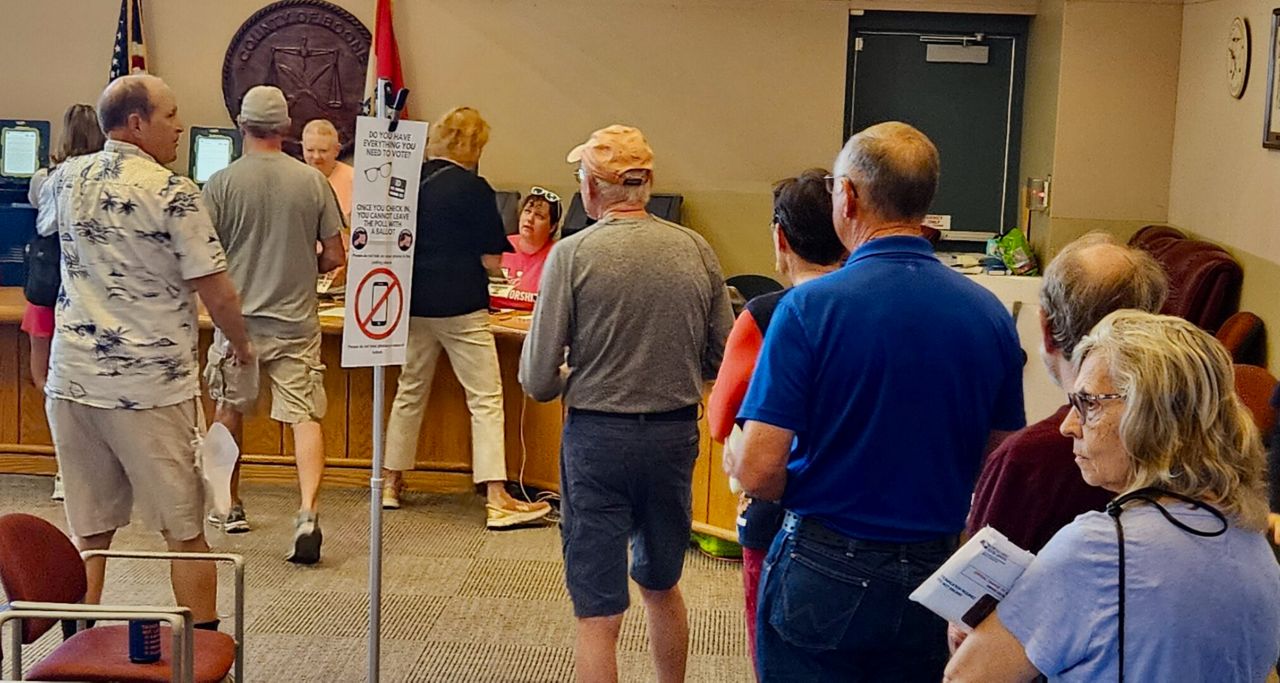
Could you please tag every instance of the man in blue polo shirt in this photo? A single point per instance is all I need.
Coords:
(880, 388)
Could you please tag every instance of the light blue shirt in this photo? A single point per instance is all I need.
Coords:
(1196, 609)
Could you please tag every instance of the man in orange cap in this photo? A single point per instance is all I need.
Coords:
(641, 306)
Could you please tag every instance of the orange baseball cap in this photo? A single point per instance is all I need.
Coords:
(614, 152)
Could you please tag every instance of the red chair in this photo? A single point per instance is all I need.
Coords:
(1255, 386)
(44, 577)
(1245, 336)
(1204, 280)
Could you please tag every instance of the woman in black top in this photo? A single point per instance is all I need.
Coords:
(460, 236)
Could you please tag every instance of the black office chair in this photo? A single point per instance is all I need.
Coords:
(752, 286)
(668, 207)
(509, 209)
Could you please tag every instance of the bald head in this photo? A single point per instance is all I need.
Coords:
(140, 109)
(894, 168)
(1090, 278)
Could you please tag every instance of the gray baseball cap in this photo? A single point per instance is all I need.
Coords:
(264, 104)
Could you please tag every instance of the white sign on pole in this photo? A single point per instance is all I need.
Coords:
(384, 216)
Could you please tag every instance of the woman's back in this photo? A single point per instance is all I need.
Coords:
(1196, 608)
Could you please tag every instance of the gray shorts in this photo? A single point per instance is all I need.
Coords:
(108, 457)
(623, 481)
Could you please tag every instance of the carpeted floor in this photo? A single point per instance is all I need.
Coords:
(459, 603)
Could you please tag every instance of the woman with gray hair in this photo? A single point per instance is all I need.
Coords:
(1175, 582)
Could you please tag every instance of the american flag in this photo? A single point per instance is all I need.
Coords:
(130, 53)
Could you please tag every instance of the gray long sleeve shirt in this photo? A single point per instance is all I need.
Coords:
(639, 310)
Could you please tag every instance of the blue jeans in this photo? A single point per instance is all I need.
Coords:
(836, 609)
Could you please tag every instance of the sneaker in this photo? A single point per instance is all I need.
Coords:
(58, 493)
(235, 522)
(390, 498)
(306, 539)
(515, 515)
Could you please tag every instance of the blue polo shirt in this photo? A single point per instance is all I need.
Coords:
(891, 372)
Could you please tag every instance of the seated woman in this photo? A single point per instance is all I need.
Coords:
(539, 217)
(1162, 588)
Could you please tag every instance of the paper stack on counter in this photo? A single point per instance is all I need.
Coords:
(968, 586)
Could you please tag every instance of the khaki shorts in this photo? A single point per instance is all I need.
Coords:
(291, 364)
(106, 456)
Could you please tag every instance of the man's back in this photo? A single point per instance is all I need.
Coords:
(269, 210)
(646, 314)
(132, 234)
(891, 372)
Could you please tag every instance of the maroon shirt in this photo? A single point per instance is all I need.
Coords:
(1030, 487)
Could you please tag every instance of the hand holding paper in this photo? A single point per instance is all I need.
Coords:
(968, 586)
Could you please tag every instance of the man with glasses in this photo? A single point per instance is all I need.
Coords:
(270, 210)
(879, 389)
(641, 307)
(1030, 487)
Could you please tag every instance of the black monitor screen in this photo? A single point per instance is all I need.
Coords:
(24, 149)
(212, 149)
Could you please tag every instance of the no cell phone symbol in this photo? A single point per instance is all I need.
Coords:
(379, 303)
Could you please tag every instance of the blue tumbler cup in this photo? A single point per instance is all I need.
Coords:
(144, 642)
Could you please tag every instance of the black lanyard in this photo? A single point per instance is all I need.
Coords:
(1153, 495)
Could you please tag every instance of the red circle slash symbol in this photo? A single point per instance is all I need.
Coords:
(376, 324)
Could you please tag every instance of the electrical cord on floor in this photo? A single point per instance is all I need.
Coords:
(550, 497)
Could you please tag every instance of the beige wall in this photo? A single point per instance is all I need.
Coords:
(733, 94)
(1118, 88)
(1225, 186)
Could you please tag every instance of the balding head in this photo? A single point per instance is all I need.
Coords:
(1090, 278)
(141, 109)
(894, 168)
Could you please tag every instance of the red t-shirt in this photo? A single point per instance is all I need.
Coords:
(524, 272)
(1030, 487)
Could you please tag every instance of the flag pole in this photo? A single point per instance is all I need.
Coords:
(375, 480)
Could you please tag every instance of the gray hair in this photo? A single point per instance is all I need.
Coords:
(1093, 276)
(897, 169)
(1184, 427)
(265, 130)
(123, 97)
(613, 194)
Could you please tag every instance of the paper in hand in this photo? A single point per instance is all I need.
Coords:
(974, 580)
(218, 455)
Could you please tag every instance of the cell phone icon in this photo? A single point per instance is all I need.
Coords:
(380, 315)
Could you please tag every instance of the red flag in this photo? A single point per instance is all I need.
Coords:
(384, 59)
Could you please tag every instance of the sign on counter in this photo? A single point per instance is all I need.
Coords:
(384, 215)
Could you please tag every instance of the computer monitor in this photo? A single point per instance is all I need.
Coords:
(24, 149)
(212, 149)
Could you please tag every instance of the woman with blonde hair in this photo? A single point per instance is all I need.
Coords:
(81, 135)
(460, 238)
(1175, 582)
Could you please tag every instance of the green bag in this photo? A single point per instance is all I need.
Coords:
(1015, 251)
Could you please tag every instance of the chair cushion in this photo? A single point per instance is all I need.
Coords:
(102, 654)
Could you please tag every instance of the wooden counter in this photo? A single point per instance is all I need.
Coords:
(444, 446)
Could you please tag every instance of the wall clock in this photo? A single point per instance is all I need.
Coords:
(1238, 57)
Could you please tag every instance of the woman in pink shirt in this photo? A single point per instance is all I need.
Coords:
(540, 212)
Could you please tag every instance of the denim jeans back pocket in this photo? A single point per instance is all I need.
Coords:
(816, 603)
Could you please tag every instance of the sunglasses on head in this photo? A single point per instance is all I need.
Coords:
(546, 194)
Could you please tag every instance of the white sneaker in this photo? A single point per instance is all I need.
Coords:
(58, 493)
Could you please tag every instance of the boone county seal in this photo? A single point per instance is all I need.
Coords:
(314, 51)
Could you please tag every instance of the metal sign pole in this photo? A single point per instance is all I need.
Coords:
(375, 479)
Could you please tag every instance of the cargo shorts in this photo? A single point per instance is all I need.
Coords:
(290, 364)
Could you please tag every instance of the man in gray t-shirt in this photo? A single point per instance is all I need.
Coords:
(270, 210)
(637, 309)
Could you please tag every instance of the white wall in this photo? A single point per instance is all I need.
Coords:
(1225, 186)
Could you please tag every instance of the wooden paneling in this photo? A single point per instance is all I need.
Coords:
(10, 339)
(444, 444)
